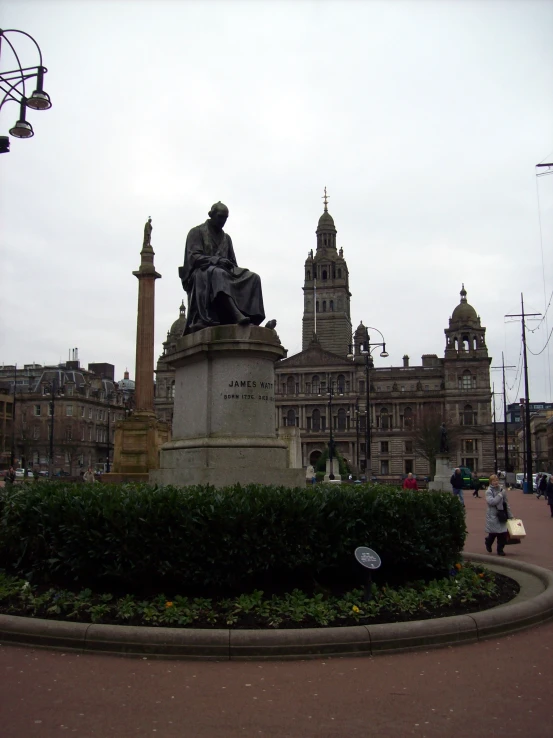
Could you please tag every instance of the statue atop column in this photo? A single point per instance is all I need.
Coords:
(148, 233)
(444, 443)
(219, 291)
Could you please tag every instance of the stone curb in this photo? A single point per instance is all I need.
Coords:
(362, 640)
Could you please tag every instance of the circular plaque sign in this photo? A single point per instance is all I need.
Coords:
(367, 557)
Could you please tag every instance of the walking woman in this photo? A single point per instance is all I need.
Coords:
(497, 514)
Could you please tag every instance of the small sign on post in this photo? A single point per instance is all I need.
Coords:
(370, 560)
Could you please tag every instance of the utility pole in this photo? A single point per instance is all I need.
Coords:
(12, 455)
(494, 434)
(528, 470)
(505, 434)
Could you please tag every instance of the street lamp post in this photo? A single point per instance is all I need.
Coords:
(53, 389)
(356, 414)
(108, 468)
(331, 393)
(12, 84)
(366, 349)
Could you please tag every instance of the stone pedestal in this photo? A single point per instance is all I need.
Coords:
(224, 414)
(443, 474)
(137, 443)
(291, 435)
(335, 471)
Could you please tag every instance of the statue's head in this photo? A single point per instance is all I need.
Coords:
(218, 215)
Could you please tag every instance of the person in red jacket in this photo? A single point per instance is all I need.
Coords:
(410, 482)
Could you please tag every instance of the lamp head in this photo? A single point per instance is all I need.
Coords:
(39, 100)
(22, 129)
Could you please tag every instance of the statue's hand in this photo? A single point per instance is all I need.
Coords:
(226, 264)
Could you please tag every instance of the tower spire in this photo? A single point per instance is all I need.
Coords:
(325, 200)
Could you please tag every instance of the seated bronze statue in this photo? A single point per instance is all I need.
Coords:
(219, 291)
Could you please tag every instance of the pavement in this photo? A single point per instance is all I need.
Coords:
(499, 687)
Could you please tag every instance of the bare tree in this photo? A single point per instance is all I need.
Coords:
(426, 434)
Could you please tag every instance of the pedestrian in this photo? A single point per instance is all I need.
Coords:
(549, 493)
(497, 514)
(410, 482)
(9, 477)
(35, 474)
(475, 481)
(88, 476)
(542, 485)
(456, 482)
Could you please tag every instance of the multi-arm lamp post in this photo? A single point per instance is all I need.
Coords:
(331, 393)
(13, 85)
(367, 349)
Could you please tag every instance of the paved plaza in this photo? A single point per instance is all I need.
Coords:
(499, 687)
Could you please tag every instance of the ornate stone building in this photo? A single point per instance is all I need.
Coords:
(165, 375)
(79, 406)
(455, 388)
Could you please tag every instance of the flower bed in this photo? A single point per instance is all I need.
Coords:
(467, 588)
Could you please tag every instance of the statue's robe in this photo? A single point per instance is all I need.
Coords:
(203, 279)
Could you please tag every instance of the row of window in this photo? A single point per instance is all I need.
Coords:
(342, 421)
(324, 272)
(96, 413)
(90, 433)
(467, 381)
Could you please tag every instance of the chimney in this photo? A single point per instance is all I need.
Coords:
(405, 361)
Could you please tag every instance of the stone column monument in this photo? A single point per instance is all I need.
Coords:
(139, 437)
(443, 465)
(224, 422)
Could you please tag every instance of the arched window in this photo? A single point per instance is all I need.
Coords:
(290, 417)
(290, 385)
(467, 381)
(341, 419)
(317, 307)
(308, 275)
(324, 274)
(408, 418)
(474, 343)
(324, 306)
(384, 418)
(465, 343)
(339, 274)
(316, 384)
(332, 306)
(341, 384)
(173, 389)
(468, 416)
(316, 420)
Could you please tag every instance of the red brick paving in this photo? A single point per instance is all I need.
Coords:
(496, 688)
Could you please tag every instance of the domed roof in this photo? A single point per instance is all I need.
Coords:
(126, 383)
(177, 329)
(464, 312)
(326, 221)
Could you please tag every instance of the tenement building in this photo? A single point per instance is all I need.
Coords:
(329, 385)
(64, 415)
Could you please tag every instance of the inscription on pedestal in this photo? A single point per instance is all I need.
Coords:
(251, 384)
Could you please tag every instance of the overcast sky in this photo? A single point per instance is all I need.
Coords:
(424, 120)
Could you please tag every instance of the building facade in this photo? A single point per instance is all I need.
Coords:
(64, 415)
(332, 382)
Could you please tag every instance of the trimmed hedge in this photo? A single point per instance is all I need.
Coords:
(134, 536)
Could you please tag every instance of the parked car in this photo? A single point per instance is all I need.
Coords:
(20, 473)
(519, 479)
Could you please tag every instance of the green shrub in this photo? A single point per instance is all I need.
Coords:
(136, 536)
